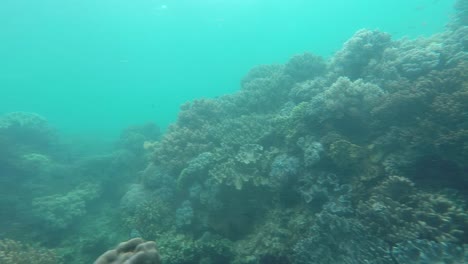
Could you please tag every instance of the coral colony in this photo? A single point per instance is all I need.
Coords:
(359, 158)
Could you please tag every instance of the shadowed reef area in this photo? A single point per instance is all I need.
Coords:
(361, 158)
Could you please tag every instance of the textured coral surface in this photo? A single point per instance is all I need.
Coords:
(358, 158)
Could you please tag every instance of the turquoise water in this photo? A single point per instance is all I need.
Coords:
(354, 154)
(95, 67)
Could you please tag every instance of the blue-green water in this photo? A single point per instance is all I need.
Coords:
(95, 67)
(319, 142)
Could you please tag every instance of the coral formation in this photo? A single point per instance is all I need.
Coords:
(29, 129)
(426, 251)
(133, 251)
(305, 66)
(284, 168)
(347, 98)
(15, 252)
(364, 47)
(184, 215)
(335, 239)
(272, 240)
(461, 19)
(134, 198)
(324, 191)
(59, 211)
(397, 211)
(360, 158)
(349, 140)
(312, 150)
(133, 138)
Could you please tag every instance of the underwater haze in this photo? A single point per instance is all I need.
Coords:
(95, 67)
(240, 132)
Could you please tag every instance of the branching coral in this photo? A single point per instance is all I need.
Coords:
(344, 99)
(208, 248)
(272, 238)
(415, 61)
(378, 108)
(201, 112)
(134, 198)
(183, 143)
(59, 211)
(162, 183)
(264, 89)
(262, 72)
(247, 166)
(152, 216)
(323, 191)
(305, 91)
(197, 168)
(335, 239)
(397, 211)
(305, 66)
(15, 252)
(184, 215)
(426, 251)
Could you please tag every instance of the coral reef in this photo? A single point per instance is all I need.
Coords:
(364, 47)
(159, 181)
(397, 211)
(29, 130)
(59, 211)
(151, 218)
(284, 168)
(426, 251)
(15, 252)
(418, 58)
(323, 191)
(346, 105)
(184, 215)
(335, 239)
(272, 240)
(359, 158)
(134, 198)
(133, 138)
(365, 143)
(208, 248)
(312, 150)
(305, 66)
